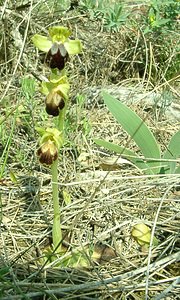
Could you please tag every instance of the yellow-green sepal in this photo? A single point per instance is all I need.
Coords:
(46, 87)
(73, 46)
(52, 134)
(49, 87)
(56, 84)
(43, 43)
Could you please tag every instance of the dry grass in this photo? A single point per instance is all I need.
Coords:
(107, 198)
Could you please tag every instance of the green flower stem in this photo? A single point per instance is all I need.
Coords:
(56, 232)
(61, 119)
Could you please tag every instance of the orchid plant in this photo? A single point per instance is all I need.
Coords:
(58, 47)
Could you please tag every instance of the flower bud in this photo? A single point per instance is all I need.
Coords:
(54, 103)
(47, 153)
(142, 234)
(57, 56)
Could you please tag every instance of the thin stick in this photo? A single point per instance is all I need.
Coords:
(151, 241)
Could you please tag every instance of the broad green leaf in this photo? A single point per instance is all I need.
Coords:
(77, 259)
(172, 152)
(177, 171)
(159, 22)
(42, 42)
(124, 152)
(137, 129)
(73, 46)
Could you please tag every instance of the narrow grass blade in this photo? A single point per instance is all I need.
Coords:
(124, 152)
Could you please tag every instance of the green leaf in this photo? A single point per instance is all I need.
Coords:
(28, 87)
(124, 152)
(40, 130)
(66, 197)
(13, 177)
(137, 129)
(159, 22)
(177, 171)
(73, 46)
(42, 42)
(56, 232)
(172, 152)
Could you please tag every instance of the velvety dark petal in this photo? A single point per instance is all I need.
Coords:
(45, 159)
(47, 153)
(61, 104)
(54, 103)
(57, 56)
(52, 110)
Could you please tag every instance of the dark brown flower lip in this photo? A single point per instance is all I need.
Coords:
(57, 56)
(47, 153)
(52, 110)
(47, 160)
(54, 103)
